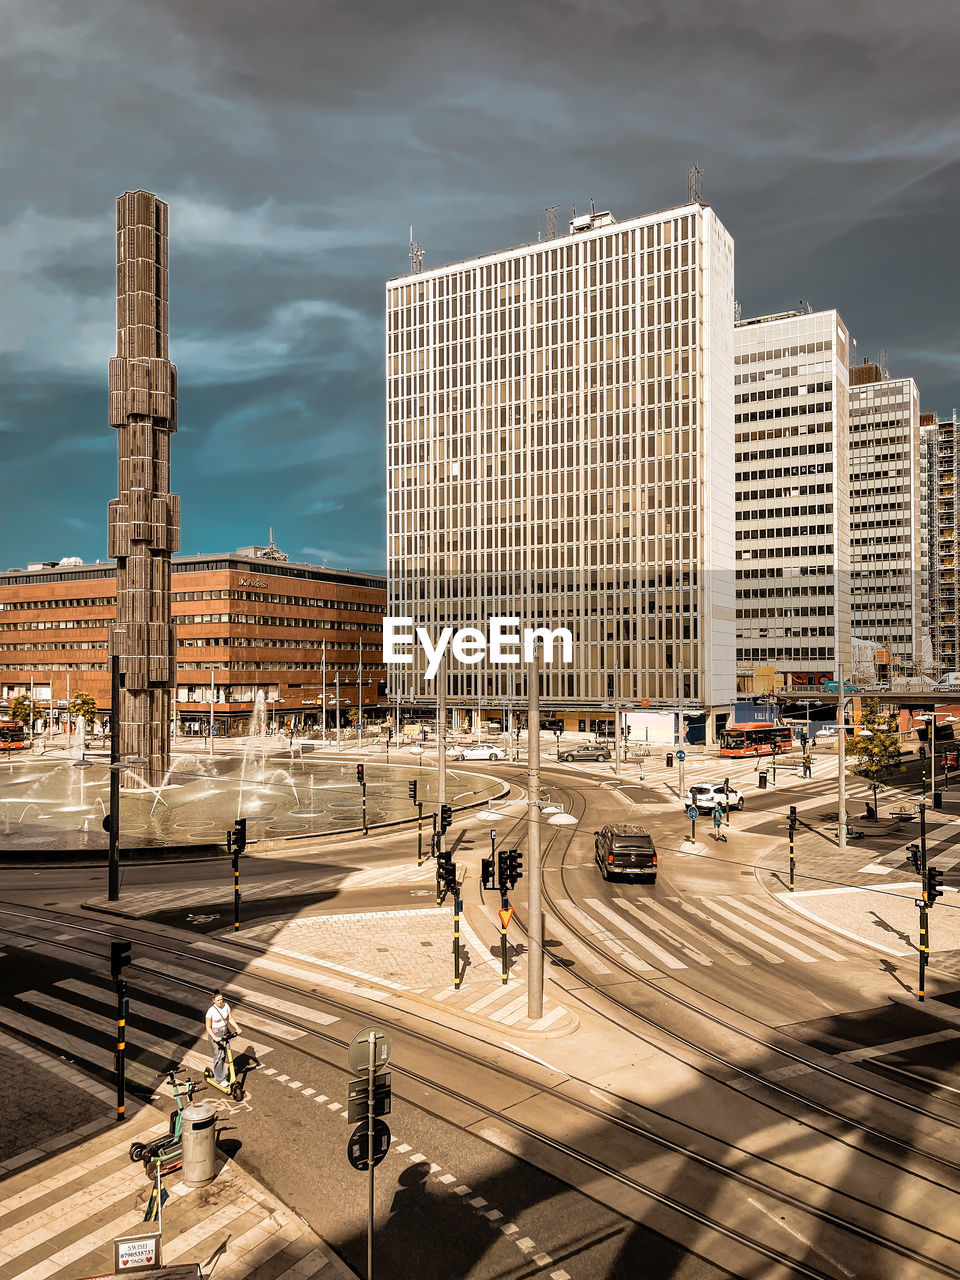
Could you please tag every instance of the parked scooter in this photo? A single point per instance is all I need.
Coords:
(231, 1085)
(167, 1150)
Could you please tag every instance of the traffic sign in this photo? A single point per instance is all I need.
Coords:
(681, 754)
(358, 1097)
(692, 812)
(358, 1053)
(506, 915)
(358, 1146)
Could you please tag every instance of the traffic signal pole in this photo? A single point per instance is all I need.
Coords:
(793, 865)
(924, 948)
(534, 909)
(419, 833)
(441, 744)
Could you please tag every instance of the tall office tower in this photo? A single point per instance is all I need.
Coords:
(944, 543)
(885, 516)
(792, 504)
(928, 555)
(559, 449)
(144, 520)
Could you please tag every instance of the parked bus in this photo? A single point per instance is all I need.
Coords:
(11, 735)
(757, 739)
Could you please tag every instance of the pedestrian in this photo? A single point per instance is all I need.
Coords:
(718, 822)
(807, 767)
(219, 1021)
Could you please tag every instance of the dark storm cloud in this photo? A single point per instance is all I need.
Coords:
(296, 142)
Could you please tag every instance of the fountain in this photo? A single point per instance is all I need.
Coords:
(44, 805)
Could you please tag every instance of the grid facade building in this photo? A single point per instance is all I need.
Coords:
(792, 495)
(559, 450)
(886, 510)
(243, 623)
(944, 537)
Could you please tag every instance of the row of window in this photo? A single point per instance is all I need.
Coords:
(804, 531)
(786, 371)
(789, 553)
(781, 513)
(780, 393)
(789, 655)
(778, 353)
(795, 491)
(787, 411)
(313, 602)
(776, 473)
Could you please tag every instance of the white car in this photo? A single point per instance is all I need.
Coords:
(483, 752)
(707, 795)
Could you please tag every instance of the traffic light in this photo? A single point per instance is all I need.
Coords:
(913, 851)
(793, 818)
(503, 869)
(446, 816)
(239, 835)
(487, 877)
(934, 886)
(360, 774)
(448, 875)
(514, 868)
(119, 959)
(412, 791)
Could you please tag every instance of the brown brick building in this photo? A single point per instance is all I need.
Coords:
(252, 620)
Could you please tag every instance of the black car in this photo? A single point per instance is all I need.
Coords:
(585, 752)
(626, 849)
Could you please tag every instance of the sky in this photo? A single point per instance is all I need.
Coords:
(297, 142)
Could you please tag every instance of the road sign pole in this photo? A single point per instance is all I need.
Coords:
(924, 948)
(793, 865)
(121, 1047)
(419, 833)
(371, 1076)
(457, 908)
(503, 943)
(693, 831)
(363, 805)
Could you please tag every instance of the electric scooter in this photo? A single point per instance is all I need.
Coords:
(231, 1085)
(167, 1150)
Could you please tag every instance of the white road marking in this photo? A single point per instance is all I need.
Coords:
(803, 1239)
(605, 936)
(653, 948)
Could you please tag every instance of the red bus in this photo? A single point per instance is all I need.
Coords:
(760, 738)
(11, 735)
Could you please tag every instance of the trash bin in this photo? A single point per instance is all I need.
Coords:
(199, 1143)
(669, 759)
(938, 799)
(762, 779)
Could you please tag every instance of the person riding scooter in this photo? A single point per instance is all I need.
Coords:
(219, 1021)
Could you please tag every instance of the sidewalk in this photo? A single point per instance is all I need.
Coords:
(60, 1216)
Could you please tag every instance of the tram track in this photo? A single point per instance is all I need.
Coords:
(779, 1197)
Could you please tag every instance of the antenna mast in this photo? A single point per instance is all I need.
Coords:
(552, 215)
(694, 185)
(416, 255)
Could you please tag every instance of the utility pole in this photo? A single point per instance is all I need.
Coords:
(841, 765)
(211, 711)
(359, 694)
(441, 746)
(113, 853)
(323, 692)
(534, 911)
(924, 948)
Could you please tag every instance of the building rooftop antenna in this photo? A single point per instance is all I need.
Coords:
(882, 362)
(694, 185)
(416, 255)
(552, 215)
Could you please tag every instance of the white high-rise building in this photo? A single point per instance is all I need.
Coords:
(560, 449)
(792, 499)
(886, 516)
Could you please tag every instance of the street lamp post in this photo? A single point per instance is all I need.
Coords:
(535, 922)
(841, 765)
(113, 852)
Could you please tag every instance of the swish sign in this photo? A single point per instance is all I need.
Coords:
(504, 644)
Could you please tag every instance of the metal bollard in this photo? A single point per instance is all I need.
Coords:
(199, 1144)
(669, 759)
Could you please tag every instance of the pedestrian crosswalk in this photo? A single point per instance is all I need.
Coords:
(156, 901)
(942, 840)
(76, 1018)
(667, 935)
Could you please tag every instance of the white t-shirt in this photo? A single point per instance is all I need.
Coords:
(219, 1024)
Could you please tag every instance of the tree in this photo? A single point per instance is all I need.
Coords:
(24, 710)
(877, 752)
(84, 705)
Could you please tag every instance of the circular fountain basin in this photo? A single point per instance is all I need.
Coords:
(48, 804)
